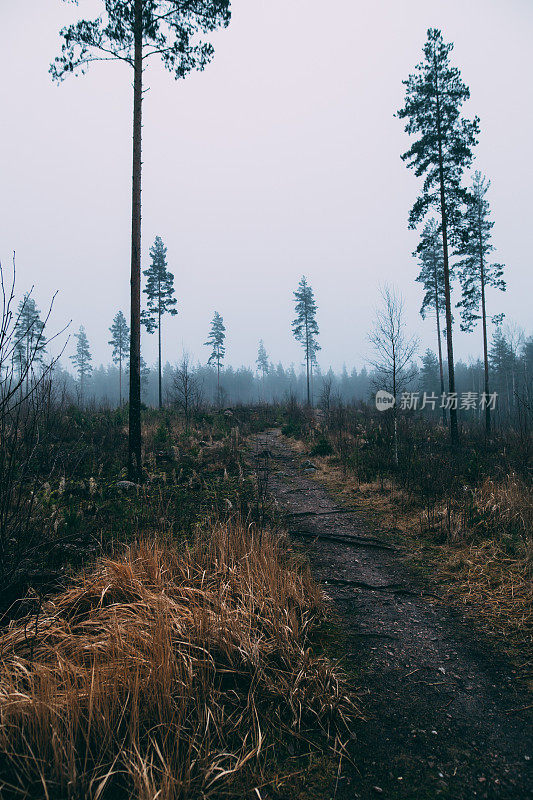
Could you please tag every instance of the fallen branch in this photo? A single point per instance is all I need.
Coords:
(351, 541)
(375, 635)
(392, 588)
(387, 587)
(517, 710)
(322, 513)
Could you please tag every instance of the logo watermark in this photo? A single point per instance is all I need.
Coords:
(384, 400)
(418, 401)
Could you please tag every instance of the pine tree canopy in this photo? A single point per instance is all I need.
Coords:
(501, 354)
(29, 340)
(145, 372)
(429, 374)
(474, 250)
(431, 262)
(305, 326)
(159, 287)
(262, 358)
(82, 357)
(216, 339)
(435, 94)
(170, 30)
(120, 337)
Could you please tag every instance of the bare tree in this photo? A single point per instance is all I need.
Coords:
(187, 392)
(16, 385)
(25, 403)
(325, 394)
(394, 351)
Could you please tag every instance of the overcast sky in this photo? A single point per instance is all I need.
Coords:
(281, 159)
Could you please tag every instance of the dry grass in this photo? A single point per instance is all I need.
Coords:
(490, 565)
(168, 674)
(507, 508)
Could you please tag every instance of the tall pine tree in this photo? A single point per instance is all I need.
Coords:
(133, 31)
(431, 276)
(435, 94)
(29, 341)
(216, 341)
(476, 272)
(502, 365)
(160, 293)
(305, 328)
(429, 373)
(262, 365)
(82, 359)
(120, 342)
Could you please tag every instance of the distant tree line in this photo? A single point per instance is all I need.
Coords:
(506, 366)
(191, 386)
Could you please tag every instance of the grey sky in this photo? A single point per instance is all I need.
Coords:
(283, 158)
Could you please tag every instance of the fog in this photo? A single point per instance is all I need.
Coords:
(281, 159)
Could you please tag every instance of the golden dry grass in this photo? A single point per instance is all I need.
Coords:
(167, 674)
(507, 506)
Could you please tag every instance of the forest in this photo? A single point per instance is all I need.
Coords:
(279, 579)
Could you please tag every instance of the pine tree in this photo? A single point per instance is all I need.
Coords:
(134, 31)
(501, 364)
(476, 273)
(435, 94)
(527, 368)
(120, 342)
(82, 359)
(430, 376)
(30, 343)
(215, 340)
(145, 375)
(160, 293)
(262, 365)
(431, 276)
(305, 328)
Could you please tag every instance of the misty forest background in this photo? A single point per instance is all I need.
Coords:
(453, 262)
(82, 382)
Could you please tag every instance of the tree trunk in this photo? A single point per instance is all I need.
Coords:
(307, 359)
(135, 437)
(395, 405)
(120, 382)
(159, 363)
(439, 340)
(484, 320)
(454, 430)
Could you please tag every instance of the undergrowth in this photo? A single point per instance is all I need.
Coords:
(171, 673)
(68, 500)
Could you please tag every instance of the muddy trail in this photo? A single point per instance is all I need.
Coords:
(444, 716)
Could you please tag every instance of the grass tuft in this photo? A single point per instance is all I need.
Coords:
(169, 674)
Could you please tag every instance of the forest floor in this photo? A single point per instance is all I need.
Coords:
(444, 714)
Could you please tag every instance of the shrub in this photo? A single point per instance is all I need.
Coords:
(322, 448)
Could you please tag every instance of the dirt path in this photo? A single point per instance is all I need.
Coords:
(442, 712)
